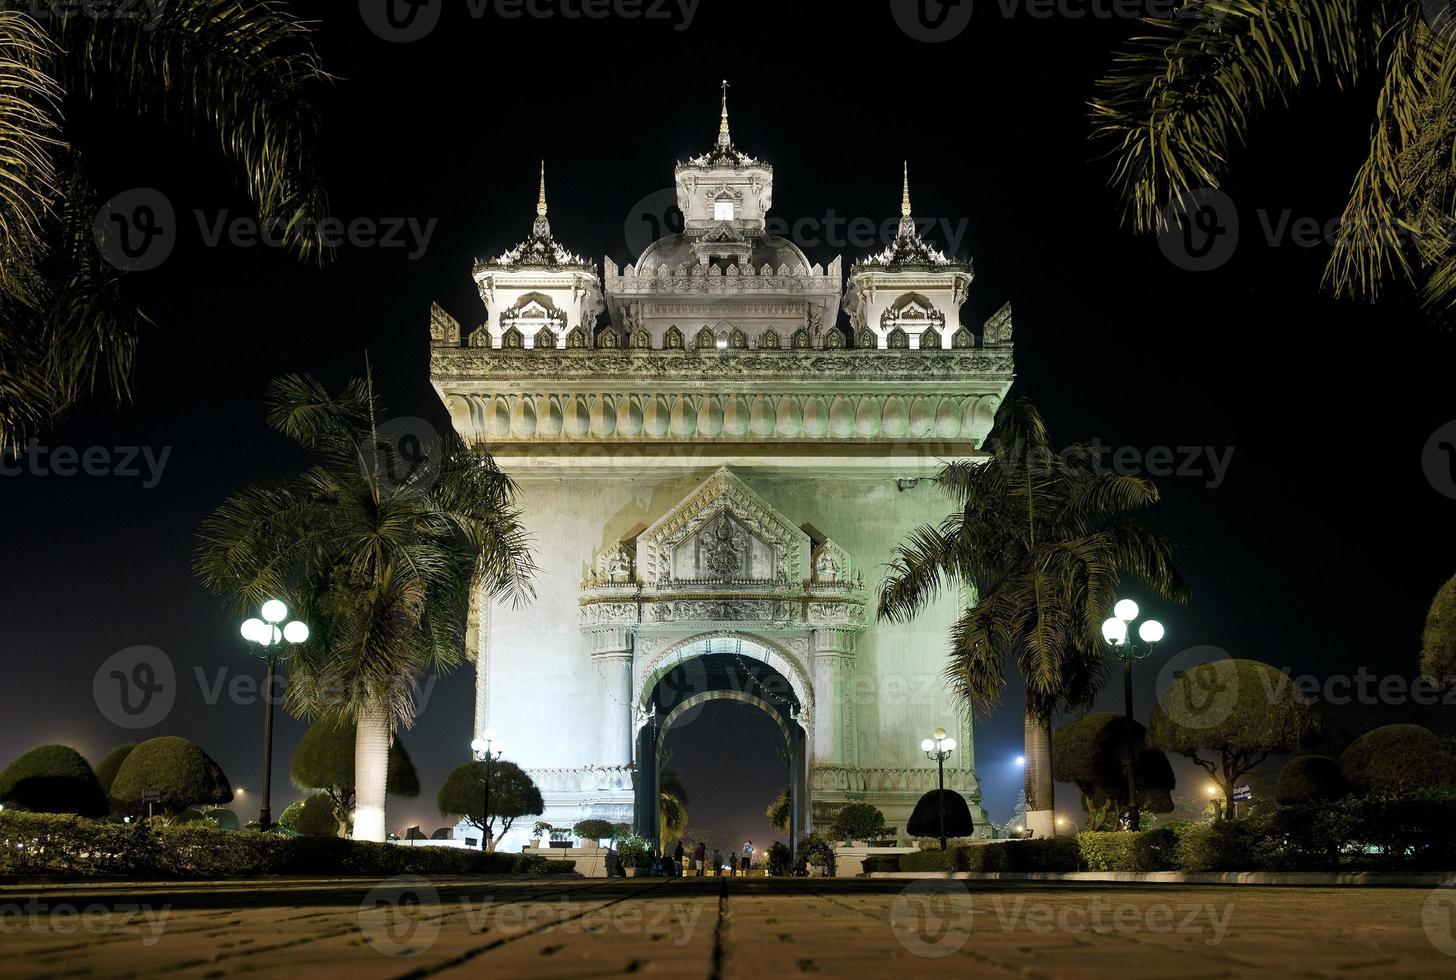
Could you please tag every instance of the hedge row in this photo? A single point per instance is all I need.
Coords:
(1349, 835)
(66, 846)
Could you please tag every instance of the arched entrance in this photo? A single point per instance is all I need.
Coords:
(671, 695)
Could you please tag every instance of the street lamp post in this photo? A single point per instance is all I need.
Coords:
(267, 635)
(939, 747)
(487, 749)
(1115, 632)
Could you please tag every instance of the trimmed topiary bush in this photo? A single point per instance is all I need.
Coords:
(315, 818)
(109, 766)
(53, 779)
(324, 763)
(594, 830)
(1310, 779)
(1092, 753)
(923, 861)
(857, 821)
(184, 775)
(1036, 854)
(1397, 759)
(1438, 640)
(1143, 850)
(1222, 846)
(925, 820)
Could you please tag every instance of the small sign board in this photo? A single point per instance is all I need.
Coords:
(1243, 793)
(151, 796)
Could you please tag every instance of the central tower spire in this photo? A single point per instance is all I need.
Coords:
(907, 221)
(724, 139)
(542, 227)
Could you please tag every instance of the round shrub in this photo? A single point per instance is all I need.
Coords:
(858, 821)
(1310, 779)
(109, 766)
(1397, 759)
(53, 779)
(316, 818)
(183, 774)
(594, 829)
(925, 820)
(1438, 640)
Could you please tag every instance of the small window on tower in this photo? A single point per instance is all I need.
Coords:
(723, 210)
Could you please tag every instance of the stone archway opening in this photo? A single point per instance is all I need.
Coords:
(679, 695)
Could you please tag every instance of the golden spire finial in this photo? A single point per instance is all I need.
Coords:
(724, 139)
(905, 201)
(541, 203)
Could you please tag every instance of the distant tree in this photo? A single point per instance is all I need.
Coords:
(673, 804)
(324, 763)
(512, 795)
(1310, 779)
(1398, 759)
(857, 821)
(185, 776)
(780, 812)
(110, 765)
(1229, 716)
(53, 779)
(1091, 752)
(317, 817)
(925, 819)
(1438, 641)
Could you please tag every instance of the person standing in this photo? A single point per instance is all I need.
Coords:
(677, 860)
(733, 864)
(698, 854)
(717, 862)
(747, 856)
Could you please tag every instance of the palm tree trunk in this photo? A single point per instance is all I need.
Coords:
(1040, 807)
(371, 772)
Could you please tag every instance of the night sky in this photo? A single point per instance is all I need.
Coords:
(1319, 550)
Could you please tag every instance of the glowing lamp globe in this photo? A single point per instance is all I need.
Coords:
(477, 745)
(1114, 631)
(1151, 631)
(949, 745)
(255, 630)
(295, 632)
(274, 611)
(928, 745)
(938, 734)
(1125, 610)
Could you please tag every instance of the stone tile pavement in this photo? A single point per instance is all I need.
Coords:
(754, 928)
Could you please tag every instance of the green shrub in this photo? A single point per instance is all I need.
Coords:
(884, 862)
(65, 846)
(1036, 854)
(316, 818)
(817, 850)
(110, 765)
(1310, 779)
(925, 861)
(1397, 759)
(185, 775)
(925, 820)
(633, 850)
(857, 821)
(53, 779)
(1438, 640)
(1140, 850)
(594, 830)
(1224, 845)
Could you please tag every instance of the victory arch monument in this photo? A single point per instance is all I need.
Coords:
(714, 474)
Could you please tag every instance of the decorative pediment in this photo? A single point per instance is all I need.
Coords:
(615, 565)
(723, 532)
(830, 564)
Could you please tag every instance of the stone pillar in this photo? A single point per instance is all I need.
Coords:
(832, 668)
(477, 651)
(612, 661)
(645, 794)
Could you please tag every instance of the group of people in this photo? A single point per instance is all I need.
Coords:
(694, 863)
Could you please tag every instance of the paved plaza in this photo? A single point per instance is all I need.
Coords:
(718, 928)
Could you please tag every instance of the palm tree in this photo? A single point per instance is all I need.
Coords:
(381, 556)
(673, 808)
(780, 812)
(1043, 537)
(239, 75)
(1181, 96)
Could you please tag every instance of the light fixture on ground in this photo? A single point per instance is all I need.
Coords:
(268, 637)
(1116, 632)
(487, 749)
(939, 747)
